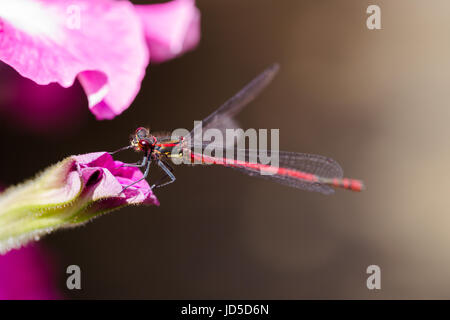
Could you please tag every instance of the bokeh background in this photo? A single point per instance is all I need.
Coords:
(376, 101)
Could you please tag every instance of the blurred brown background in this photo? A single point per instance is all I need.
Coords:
(375, 101)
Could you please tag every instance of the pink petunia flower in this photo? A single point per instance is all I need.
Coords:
(102, 43)
(68, 194)
(167, 41)
(27, 274)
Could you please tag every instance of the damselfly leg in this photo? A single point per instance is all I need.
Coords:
(138, 164)
(148, 161)
(168, 174)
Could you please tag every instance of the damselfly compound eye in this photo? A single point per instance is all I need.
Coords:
(142, 133)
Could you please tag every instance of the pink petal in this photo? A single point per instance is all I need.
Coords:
(171, 28)
(110, 178)
(107, 53)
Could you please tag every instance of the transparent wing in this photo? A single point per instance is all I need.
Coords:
(303, 163)
(224, 114)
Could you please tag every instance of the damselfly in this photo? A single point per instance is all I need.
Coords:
(300, 170)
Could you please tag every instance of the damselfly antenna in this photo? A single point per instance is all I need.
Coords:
(121, 149)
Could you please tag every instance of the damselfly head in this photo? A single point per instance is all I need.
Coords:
(142, 140)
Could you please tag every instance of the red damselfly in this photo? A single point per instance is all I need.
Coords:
(304, 171)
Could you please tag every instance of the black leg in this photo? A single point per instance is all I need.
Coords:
(138, 164)
(165, 176)
(168, 172)
(167, 165)
(161, 180)
(147, 170)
